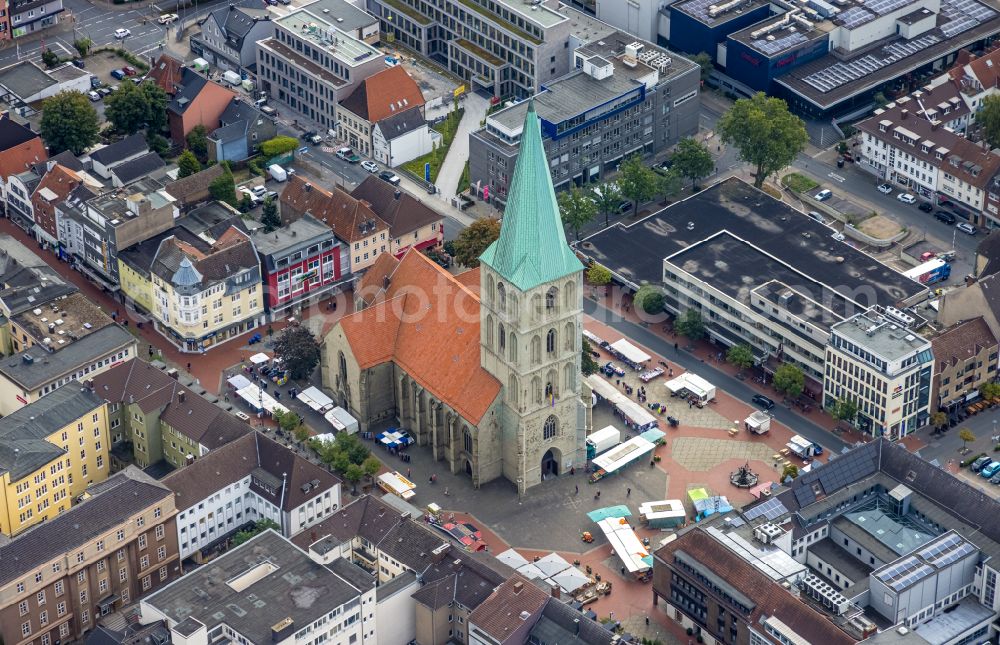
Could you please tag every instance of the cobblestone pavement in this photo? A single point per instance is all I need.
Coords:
(657, 392)
(702, 454)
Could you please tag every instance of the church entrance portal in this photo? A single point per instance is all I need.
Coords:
(550, 463)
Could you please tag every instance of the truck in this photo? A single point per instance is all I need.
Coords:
(232, 78)
(935, 270)
(803, 448)
(758, 423)
(602, 440)
(277, 172)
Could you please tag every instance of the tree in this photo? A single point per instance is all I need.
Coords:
(245, 203)
(288, 421)
(156, 106)
(50, 58)
(845, 410)
(606, 199)
(587, 363)
(692, 160)
(880, 100)
(197, 142)
(789, 471)
(269, 216)
(789, 380)
(938, 419)
(740, 356)
(474, 239)
(127, 108)
(704, 61)
(187, 164)
(69, 122)
(690, 324)
(223, 188)
(599, 275)
(370, 466)
(259, 527)
(988, 118)
(989, 390)
(668, 185)
(157, 143)
(649, 298)
(764, 132)
(966, 436)
(637, 182)
(278, 146)
(301, 433)
(298, 350)
(576, 209)
(82, 46)
(353, 473)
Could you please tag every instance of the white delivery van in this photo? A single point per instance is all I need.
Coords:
(232, 78)
(277, 172)
(603, 439)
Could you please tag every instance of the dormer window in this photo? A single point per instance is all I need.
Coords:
(938, 155)
(881, 127)
(924, 148)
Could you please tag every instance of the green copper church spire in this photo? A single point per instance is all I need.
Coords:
(532, 247)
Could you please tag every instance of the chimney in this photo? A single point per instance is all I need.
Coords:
(556, 592)
(180, 396)
(518, 586)
(456, 565)
(905, 113)
(437, 555)
(308, 187)
(398, 194)
(385, 282)
(404, 517)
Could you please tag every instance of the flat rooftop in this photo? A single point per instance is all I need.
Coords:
(761, 224)
(41, 368)
(828, 551)
(63, 321)
(884, 338)
(301, 61)
(833, 78)
(717, 12)
(327, 36)
(830, 308)
(255, 586)
(774, 37)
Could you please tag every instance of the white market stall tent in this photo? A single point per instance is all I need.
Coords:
(258, 359)
(634, 412)
(627, 545)
(260, 400)
(692, 384)
(315, 399)
(629, 352)
(341, 420)
(625, 453)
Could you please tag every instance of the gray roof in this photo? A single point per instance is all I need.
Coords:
(236, 22)
(119, 150)
(23, 433)
(124, 494)
(25, 79)
(139, 167)
(45, 367)
(560, 623)
(231, 131)
(401, 123)
(346, 15)
(298, 588)
(26, 281)
(303, 232)
(191, 85)
(186, 275)
(886, 340)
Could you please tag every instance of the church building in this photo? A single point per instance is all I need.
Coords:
(482, 367)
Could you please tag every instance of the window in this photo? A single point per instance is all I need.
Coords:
(40, 597)
(26, 628)
(59, 588)
(161, 553)
(159, 532)
(146, 583)
(120, 535)
(22, 607)
(100, 545)
(123, 574)
(163, 574)
(144, 562)
(551, 428)
(61, 609)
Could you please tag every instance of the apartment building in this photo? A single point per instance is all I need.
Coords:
(50, 451)
(909, 145)
(103, 554)
(622, 97)
(161, 418)
(244, 481)
(885, 369)
(95, 230)
(267, 591)
(311, 64)
(55, 187)
(375, 99)
(507, 48)
(26, 283)
(53, 325)
(413, 223)
(229, 36)
(965, 357)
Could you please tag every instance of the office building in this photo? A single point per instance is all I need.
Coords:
(623, 97)
(885, 369)
(103, 554)
(267, 591)
(50, 451)
(242, 482)
(725, 253)
(311, 64)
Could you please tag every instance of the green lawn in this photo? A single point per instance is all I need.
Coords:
(447, 128)
(798, 182)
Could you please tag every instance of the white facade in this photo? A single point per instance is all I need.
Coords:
(893, 163)
(637, 17)
(396, 614)
(397, 151)
(228, 509)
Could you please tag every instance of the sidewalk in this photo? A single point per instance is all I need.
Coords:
(451, 170)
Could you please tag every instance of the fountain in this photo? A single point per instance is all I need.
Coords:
(743, 477)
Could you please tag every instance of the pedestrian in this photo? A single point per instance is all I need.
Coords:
(446, 491)
(623, 573)
(407, 473)
(628, 492)
(611, 614)
(577, 490)
(647, 621)
(189, 367)
(598, 494)
(430, 480)
(675, 347)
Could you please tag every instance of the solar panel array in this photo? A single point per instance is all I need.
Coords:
(945, 551)
(771, 510)
(771, 47)
(963, 15)
(905, 573)
(699, 8)
(837, 473)
(882, 7)
(842, 73)
(855, 17)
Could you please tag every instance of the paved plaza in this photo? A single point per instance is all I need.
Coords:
(699, 454)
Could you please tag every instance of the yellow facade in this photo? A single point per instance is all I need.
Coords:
(212, 311)
(136, 286)
(54, 486)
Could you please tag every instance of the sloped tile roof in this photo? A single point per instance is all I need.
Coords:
(341, 212)
(59, 181)
(427, 323)
(403, 212)
(962, 342)
(500, 615)
(373, 283)
(384, 94)
(167, 73)
(20, 148)
(128, 147)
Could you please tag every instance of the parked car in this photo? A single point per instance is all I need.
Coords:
(121, 33)
(966, 228)
(823, 195)
(946, 217)
(885, 189)
(312, 137)
(389, 176)
(348, 155)
(906, 198)
(259, 190)
(167, 18)
(94, 82)
(995, 479)
(130, 71)
(78, 62)
(978, 464)
(816, 216)
(624, 207)
(118, 74)
(94, 96)
(926, 207)
(104, 91)
(927, 255)
(268, 110)
(762, 401)
(369, 165)
(990, 469)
